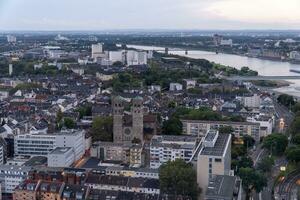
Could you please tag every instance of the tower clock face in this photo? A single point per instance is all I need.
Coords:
(127, 131)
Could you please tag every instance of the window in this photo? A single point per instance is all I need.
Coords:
(218, 160)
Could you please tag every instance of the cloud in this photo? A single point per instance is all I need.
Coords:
(257, 11)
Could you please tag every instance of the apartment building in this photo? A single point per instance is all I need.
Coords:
(12, 176)
(214, 158)
(200, 127)
(165, 148)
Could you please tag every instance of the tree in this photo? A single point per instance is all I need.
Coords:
(295, 126)
(286, 100)
(178, 178)
(276, 143)
(172, 126)
(69, 123)
(244, 162)
(296, 139)
(252, 180)
(226, 130)
(293, 153)
(102, 129)
(248, 141)
(265, 165)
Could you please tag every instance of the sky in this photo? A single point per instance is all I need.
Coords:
(38, 15)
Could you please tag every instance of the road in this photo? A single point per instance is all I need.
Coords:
(285, 190)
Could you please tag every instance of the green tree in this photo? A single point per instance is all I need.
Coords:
(245, 162)
(286, 100)
(69, 123)
(296, 139)
(102, 129)
(172, 127)
(276, 143)
(248, 141)
(265, 165)
(293, 154)
(178, 178)
(226, 130)
(252, 180)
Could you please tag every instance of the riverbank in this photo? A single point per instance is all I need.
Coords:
(190, 48)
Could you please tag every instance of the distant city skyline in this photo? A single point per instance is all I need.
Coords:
(148, 14)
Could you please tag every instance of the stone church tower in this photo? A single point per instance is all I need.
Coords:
(118, 113)
(137, 118)
(126, 128)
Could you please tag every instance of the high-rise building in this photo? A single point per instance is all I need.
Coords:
(11, 39)
(97, 50)
(10, 69)
(214, 158)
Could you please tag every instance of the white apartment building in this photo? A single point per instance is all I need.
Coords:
(12, 176)
(165, 148)
(214, 158)
(61, 157)
(43, 144)
(11, 39)
(97, 50)
(252, 101)
(200, 127)
(136, 58)
(116, 56)
(266, 124)
(176, 87)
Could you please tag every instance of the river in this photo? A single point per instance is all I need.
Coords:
(263, 67)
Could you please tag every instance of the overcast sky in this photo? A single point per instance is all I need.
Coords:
(148, 14)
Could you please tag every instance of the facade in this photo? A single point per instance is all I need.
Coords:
(200, 128)
(11, 39)
(252, 101)
(97, 50)
(12, 176)
(224, 187)
(116, 56)
(169, 148)
(130, 154)
(176, 87)
(42, 144)
(61, 157)
(125, 184)
(214, 158)
(266, 124)
(136, 58)
(125, 131)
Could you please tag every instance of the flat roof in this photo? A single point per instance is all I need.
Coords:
(219, 147)
(221, 187)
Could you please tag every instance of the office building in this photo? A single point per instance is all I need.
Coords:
(61, 157)
(165, 148)
(43, 144)
(214, 158)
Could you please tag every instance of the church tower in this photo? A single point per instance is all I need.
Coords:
(137, 118)
(118, 112)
